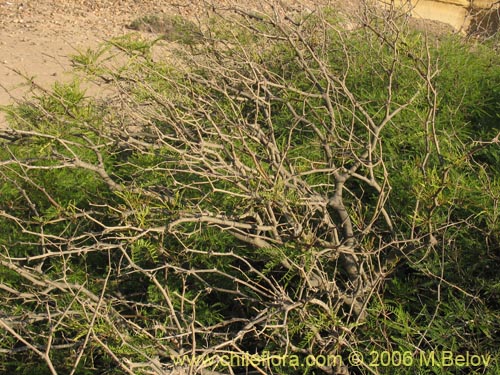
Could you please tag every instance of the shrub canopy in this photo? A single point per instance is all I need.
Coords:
(277, 185)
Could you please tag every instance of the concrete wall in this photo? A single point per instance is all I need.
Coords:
(463, 15)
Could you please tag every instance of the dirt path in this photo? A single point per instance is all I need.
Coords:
(37, 36)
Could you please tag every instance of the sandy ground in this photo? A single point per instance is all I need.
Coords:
(37, 36)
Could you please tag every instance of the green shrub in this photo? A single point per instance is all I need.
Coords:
(172, 28)
(285, 187)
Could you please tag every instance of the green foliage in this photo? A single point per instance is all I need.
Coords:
(103, 259)
(172, 28)
(90, 60)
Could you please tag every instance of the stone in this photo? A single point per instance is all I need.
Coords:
(465, 16)
(484, 4)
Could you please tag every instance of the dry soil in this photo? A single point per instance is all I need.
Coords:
(37, 36)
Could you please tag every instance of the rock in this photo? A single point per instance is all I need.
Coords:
(465, 16)
(485, 4)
